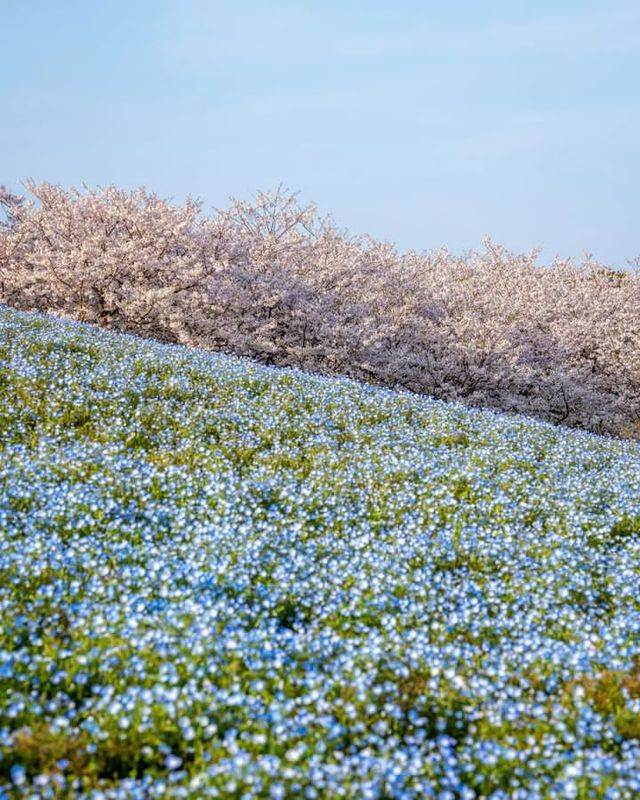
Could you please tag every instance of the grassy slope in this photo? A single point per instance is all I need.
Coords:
(217, 577)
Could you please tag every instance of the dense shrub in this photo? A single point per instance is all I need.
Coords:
(274, 280)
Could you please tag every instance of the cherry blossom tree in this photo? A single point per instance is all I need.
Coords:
(272, 279)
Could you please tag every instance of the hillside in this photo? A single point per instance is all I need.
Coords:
(222, 579)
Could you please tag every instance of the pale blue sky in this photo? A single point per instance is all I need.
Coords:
(423, 123)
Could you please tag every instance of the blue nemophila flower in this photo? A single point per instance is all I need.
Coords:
(18, 774)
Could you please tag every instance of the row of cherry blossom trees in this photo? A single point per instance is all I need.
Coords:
(274, 280)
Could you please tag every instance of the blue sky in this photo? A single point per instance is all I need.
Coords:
(425, 123)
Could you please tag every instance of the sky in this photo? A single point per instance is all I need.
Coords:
(428, 124)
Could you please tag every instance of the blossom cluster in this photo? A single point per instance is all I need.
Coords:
(220, 579)
(273, 280)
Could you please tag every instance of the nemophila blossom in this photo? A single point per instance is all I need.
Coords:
(220, 579)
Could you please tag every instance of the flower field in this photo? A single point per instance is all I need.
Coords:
(219, 579)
